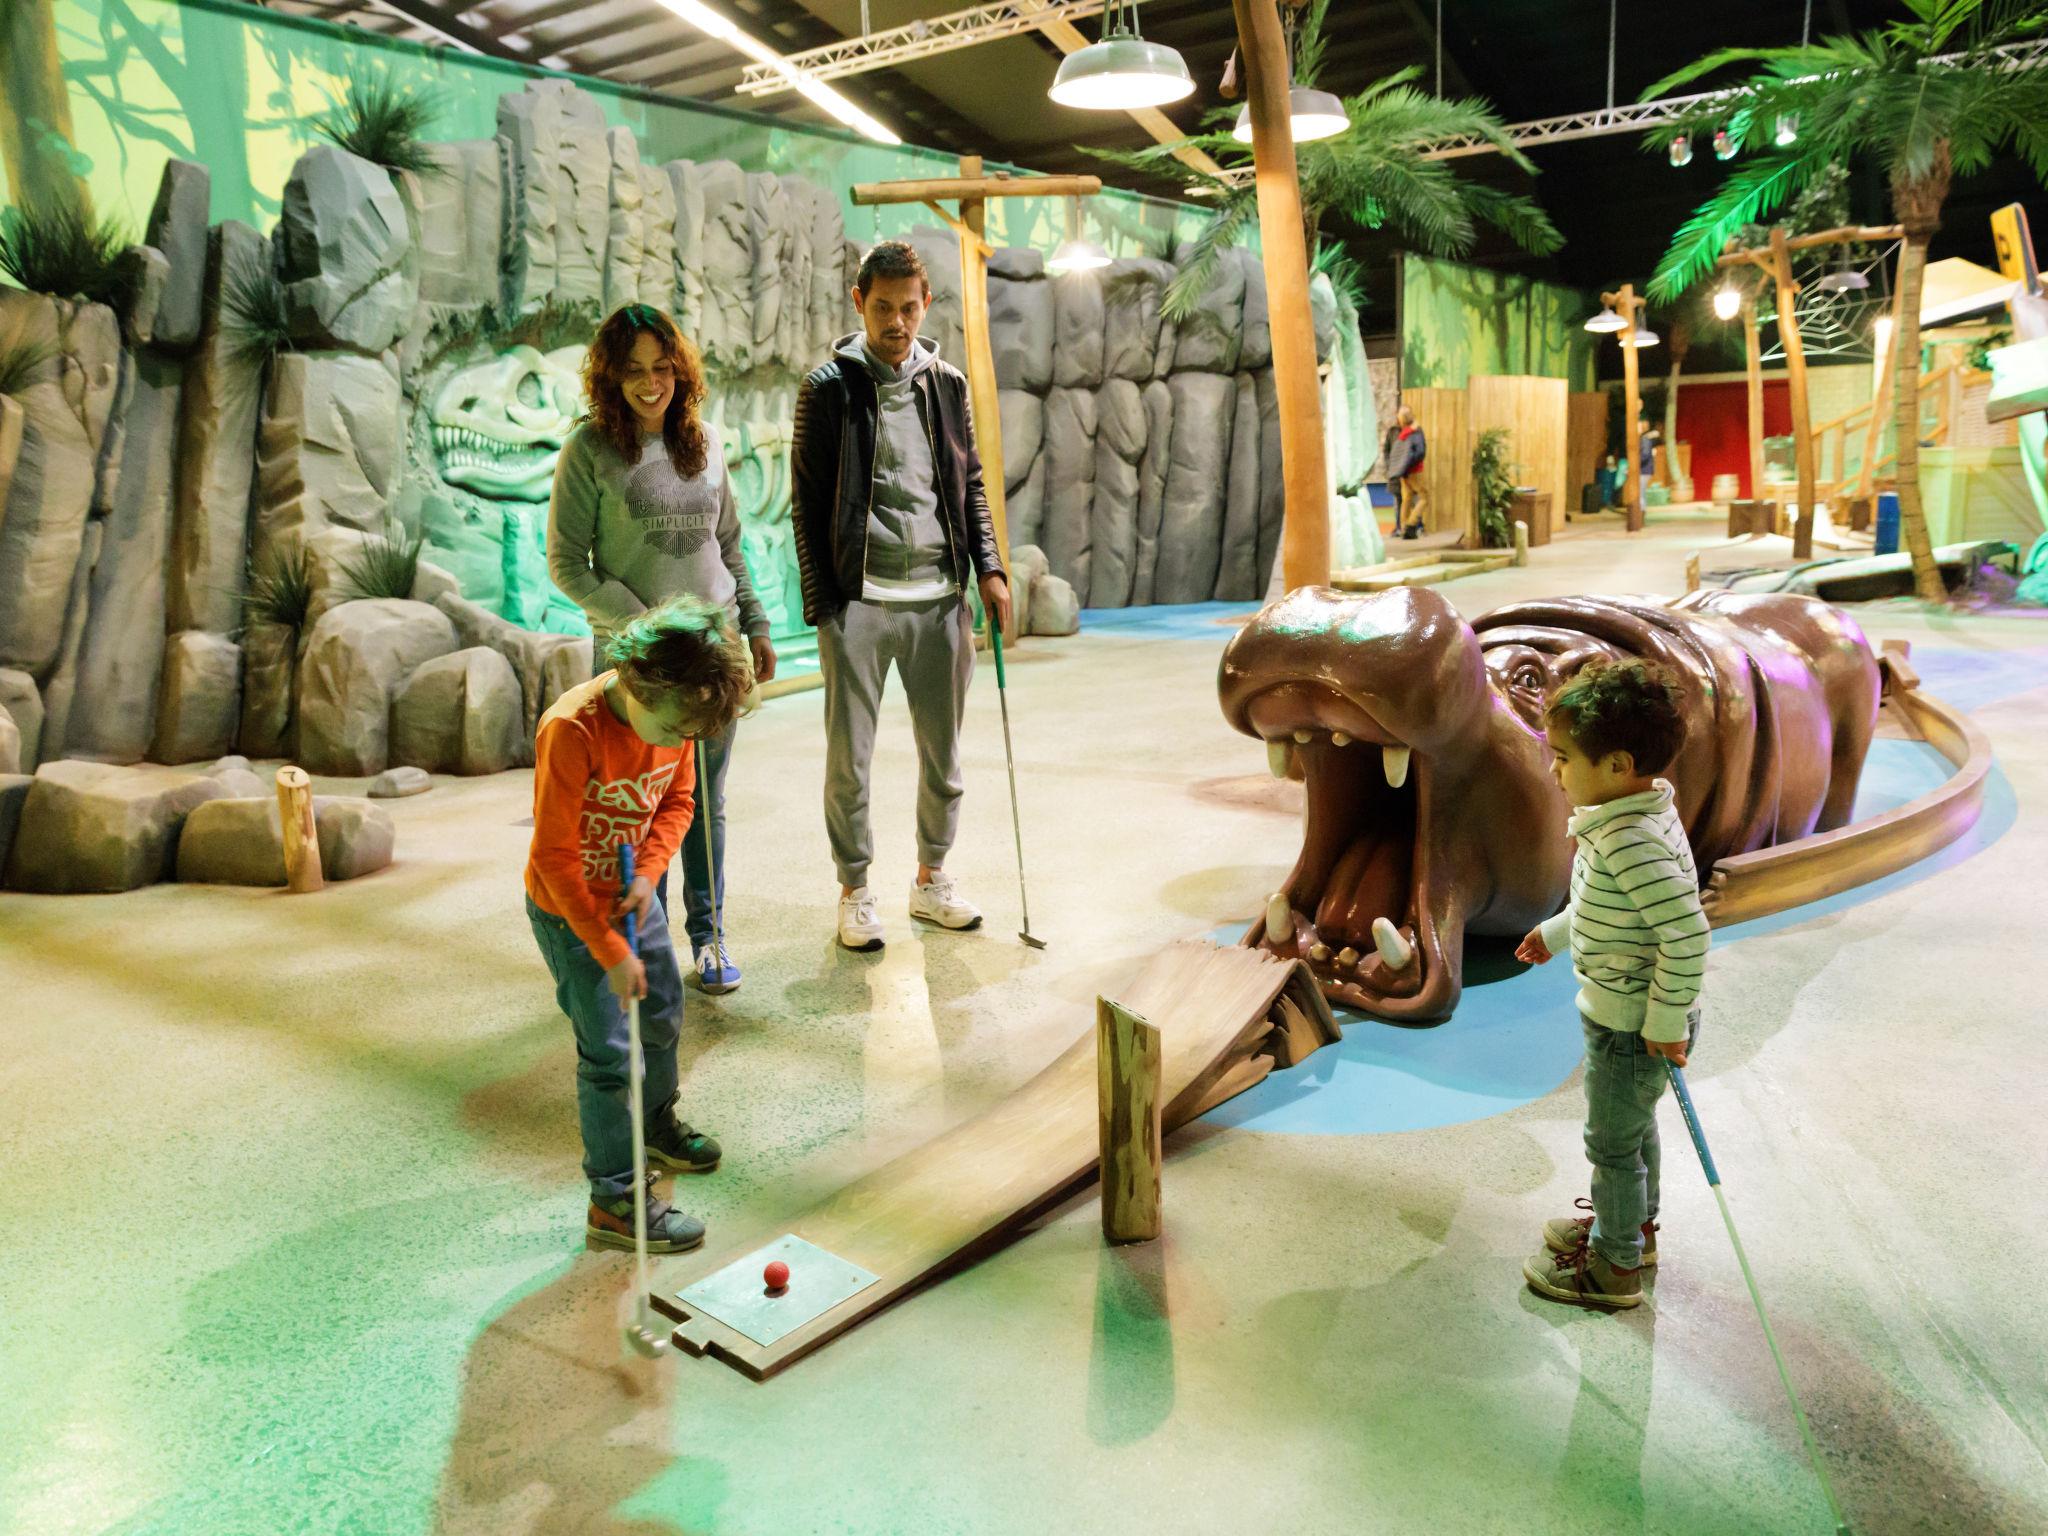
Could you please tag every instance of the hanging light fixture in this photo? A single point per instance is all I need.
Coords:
(1641, 336)
(1076, 254)
(1123, 70)
(1726, 302)
(1786, 132)
(1724, 146)
(1607, 320)
(1681, 150)
(1844, 279)
(1312, 114)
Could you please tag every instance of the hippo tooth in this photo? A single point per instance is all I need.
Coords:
(1393, 949)
(1339, 739)
(1304, 737)
(1347, 957)
(1279, 919)
(1395, 760)
(1276, 758)
(1320, 953)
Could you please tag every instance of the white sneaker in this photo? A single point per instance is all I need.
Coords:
(860, 925)
(939, 901)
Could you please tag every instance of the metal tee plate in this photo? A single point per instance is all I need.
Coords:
(738, 1297)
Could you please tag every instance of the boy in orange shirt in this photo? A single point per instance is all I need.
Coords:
(613, 764)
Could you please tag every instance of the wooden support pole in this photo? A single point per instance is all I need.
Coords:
(953, 188)
(1127, 1097)
(1795, 383)
(981, 367)
(1752, 346)
(1632, 496)
(301, 838)
(1880, 406)
(1305, 532)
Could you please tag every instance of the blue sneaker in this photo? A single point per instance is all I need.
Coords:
(716, 972)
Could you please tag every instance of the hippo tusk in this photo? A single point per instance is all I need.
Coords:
(1279, 919)
(1276, 758)
(1339, 739)
(1304, 737)
(1395, 950)
(1395, 760)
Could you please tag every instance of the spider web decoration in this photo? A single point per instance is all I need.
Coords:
(1840, 323)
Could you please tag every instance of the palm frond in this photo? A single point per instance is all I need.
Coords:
(1521, 219)
(1754, 191)
(1310, 44)
(1184, 294)
(1347, 277)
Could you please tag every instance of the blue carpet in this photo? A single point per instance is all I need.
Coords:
(1515, 1036)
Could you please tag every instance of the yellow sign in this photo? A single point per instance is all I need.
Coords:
(2015, 245)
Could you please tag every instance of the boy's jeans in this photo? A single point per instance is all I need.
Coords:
(1623, 1083)
(599, 1018)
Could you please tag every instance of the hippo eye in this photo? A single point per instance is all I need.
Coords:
(1530, 674)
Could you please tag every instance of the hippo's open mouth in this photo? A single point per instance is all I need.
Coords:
(1356, 906)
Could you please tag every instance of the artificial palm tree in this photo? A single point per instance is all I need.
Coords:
(1926, 98)
(1375, 173)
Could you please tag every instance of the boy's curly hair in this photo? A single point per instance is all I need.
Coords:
(1621, 706)
(688, 647)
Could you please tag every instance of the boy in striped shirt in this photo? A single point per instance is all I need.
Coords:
(1638, 942)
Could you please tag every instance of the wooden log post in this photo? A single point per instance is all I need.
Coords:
(301, 839)
(1632, 497)
(1795, 384)
(1752, 346)
(1305, 531)
(981, 369)
(1127, 1059)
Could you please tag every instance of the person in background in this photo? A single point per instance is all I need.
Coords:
(643, 512)
(1404, 473)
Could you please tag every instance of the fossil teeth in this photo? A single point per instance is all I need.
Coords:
(1279, 919)
(1304, 737)
(1339, 739)
(1394, 949)
(1320, 953)
(1395, 760)
(1276, 758)
(1347, 957)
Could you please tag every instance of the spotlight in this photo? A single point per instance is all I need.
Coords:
(1727, 302)
(1077, 256)
(1606, 320)
(1787, 131)
(1724, 146)
(1641, 336)
(1681, 150)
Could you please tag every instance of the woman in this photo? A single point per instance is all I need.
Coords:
(642, 512)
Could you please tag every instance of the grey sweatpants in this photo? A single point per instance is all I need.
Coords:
(932, 647)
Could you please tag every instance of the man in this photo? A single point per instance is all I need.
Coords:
(1404, 470)
(891, 523)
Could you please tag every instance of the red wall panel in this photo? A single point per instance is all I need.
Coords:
(1714, 418)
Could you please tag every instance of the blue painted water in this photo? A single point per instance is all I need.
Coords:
(1516, 1037)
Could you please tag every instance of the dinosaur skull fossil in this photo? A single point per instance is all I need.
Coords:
(499, 424)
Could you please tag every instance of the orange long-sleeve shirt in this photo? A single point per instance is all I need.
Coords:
(596, 784)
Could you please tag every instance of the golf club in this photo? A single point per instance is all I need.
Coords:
(1699, 1142)
(641, 1334)
(995, 635)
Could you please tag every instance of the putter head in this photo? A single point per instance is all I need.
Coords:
(1026, 938)
(644, 1341)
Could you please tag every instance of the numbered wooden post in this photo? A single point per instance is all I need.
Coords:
(301, 839)
(1127, 1091)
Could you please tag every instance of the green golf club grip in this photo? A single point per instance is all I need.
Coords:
(995, 637)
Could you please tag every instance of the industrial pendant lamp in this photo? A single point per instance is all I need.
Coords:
(1123, 70)
(1606, 320)
(1076, 254)
(1313, 114)
(1641, 336)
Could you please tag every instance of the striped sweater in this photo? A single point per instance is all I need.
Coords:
(1637, 936)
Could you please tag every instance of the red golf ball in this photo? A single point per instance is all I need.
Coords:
(776, 1274)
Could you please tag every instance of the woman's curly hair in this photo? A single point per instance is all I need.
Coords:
(1621, 706)
(691, 648)
(604, 377)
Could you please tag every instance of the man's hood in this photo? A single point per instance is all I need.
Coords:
(923, 350)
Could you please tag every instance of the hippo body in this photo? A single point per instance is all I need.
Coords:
(1431, 806)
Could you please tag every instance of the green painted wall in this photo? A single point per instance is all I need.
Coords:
(1457, 321)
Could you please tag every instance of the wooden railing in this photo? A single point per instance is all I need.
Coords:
(1832, 438)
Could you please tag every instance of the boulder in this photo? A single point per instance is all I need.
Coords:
(10, 745)
(1120, 426)
(459, 713)
(14, 789)
(269, 665)
(582, 190)
(345, 253)
(1273, 486)
(1020, 331)
(113, 715)
(529, 145)
(1023, 423)
(245, 783)
(940, 251)
(1131, 293)
(1209, 339)
(830, 275)
(726, 258)
(396, 783)
(1237, 575)
(1152, 487)
(686, 190)
(430, 584)
(66, 408)
(143, 276)
(461, 225)
(223, 396)
(547, 665)
(1016, 263)
(1080, 317)
(1191, 514)
(102, 827)
(1054, 608)
(1027, 564)
(767, 241)
(658, 239)
(23, 704)
(178, 228)
(1255, 346)
(1069, 483)
(351, 667)
(241, 841)
(329, 454)
(199, 704)
(61, 690)
(626, 241)
(1322, 308)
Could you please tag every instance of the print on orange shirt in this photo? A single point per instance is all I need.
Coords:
(615, 811)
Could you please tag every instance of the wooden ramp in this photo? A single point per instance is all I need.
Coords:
(1226, 1018)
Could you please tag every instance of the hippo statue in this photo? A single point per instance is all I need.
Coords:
(1431, 809)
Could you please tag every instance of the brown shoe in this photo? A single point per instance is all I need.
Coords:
(1583, 1279)
(1567, 1233)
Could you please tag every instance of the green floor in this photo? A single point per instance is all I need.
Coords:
(293, 1212)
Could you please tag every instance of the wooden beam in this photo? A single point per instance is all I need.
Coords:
(301, 836)
(450, 26)
(1127, 1107)
(1754, 373)
(1863, 234)
(870, 193)
(1795, 380)
(1305, 531)
(984, 404)
(1629, 305)
(959, 226)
